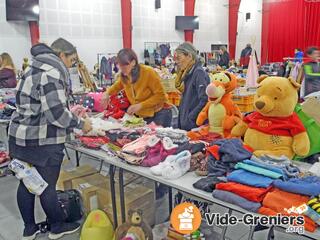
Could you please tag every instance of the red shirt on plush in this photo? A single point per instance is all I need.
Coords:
(280, 126)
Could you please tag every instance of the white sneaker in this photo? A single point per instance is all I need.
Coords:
(157, 170)
(179, 167)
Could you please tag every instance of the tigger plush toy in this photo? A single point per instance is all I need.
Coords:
(222, 113)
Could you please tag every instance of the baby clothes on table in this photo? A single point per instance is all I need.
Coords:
(178, 136)
(232, 150)
(158, 150)
(237, 200)
(93, 142)
(313, 215)
(249, 178)
(138, 146)
(250, 193)
(122, 137)
(199, 164)
(309, 186)
(192, 146)
(258, 170)
(134, 122)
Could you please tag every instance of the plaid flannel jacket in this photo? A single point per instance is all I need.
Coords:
(42, 116)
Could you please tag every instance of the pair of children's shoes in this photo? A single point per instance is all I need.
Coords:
(174, 166)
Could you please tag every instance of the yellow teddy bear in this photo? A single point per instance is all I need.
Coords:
(274, 129)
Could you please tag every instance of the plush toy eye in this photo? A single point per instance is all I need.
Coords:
(275, 98)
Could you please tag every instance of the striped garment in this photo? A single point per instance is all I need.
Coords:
(42, 116)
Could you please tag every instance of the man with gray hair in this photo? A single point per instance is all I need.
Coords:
(39, 128)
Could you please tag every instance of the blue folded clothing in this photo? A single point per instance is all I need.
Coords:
(236, 200)
(284, 167)
(309, 186)
(249, 178)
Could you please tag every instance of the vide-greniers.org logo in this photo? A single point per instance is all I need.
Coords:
(293, 224)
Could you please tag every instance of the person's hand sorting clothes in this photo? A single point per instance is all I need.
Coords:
(133, 109)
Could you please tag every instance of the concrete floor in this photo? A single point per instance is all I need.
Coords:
(11, 225)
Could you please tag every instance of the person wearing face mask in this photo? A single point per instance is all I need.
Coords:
(191, 81)
(143, 88)
(39, 128)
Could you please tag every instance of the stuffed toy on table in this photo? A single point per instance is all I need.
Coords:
(274, 129)
(135, 229)
(220, 110)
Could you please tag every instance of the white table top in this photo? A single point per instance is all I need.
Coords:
(184, 183)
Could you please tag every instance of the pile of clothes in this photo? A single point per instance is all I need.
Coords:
(117, 106)
(265, 185)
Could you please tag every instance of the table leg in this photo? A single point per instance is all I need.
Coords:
(225, 228)
(77, 158)
(67, 153)
(251, 232)
(170, 199)
(113, 196)
(121, 192)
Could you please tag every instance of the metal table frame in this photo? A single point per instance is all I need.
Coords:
(176, 184)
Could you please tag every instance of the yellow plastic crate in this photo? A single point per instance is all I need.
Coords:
(246, 107)
(243, 100)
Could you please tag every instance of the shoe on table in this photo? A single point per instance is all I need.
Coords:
(62, 230)
(30, 232)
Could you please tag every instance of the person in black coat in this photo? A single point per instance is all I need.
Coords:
(224, 58)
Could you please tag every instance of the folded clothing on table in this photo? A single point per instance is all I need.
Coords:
(278, 201)
(158, 150)
(224, 154)
(207, 184)
(93, 142)
(134, 122)
(250, 193)
(312, 214)
(122, 137)
(258, 170)
(178, 136)
(249, 178)
(282, 165)
(237, 200)
(138, 146)
(309, 186)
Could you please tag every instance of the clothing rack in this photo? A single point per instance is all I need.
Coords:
(153, 52)
(99, 58)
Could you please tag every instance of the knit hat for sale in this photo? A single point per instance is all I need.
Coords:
(187, 48)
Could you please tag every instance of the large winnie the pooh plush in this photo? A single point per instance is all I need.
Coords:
(274, 129)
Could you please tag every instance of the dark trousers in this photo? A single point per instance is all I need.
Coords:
(48, 198)
(47, 160)
(162, 118)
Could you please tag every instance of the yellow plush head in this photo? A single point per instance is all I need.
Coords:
(276, 96)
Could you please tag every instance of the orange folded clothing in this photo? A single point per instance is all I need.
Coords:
(253, 194)
(277, 201)
(309, 225)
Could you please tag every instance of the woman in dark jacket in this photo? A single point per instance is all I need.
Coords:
(224, 58)
(7, 72)
(192, 81)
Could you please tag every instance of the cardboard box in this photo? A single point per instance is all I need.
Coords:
(66, 176)
(95, 191)
(136, 197)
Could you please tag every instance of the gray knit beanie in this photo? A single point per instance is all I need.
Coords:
(187, 48)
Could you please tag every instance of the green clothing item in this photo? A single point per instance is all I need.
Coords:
(258, 170)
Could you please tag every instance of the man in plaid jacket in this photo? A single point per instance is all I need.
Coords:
(39, 128)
